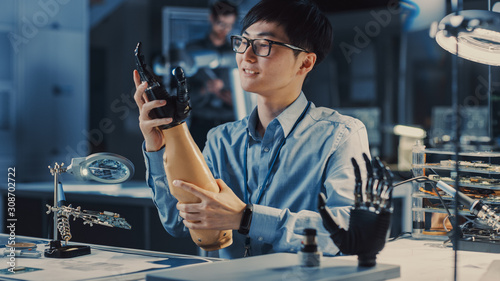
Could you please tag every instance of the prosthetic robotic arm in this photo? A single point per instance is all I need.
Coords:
(370, 217)
(182, 158)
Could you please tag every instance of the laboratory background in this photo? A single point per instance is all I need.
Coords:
(66, 93)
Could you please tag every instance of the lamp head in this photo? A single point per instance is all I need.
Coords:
(478, 34)
(102, 167)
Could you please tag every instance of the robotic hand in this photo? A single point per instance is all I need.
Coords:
(370, 219)
(177, 107)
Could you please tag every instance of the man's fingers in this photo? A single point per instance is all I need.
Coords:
(222, 185)
(192, 217)
(156, 122)
(148, 106)
(137, 78)
(140, 94)
(140, 87)
(145, 120)
(193, 224)
(193, 189)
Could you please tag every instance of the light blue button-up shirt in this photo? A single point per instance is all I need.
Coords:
(316, 157)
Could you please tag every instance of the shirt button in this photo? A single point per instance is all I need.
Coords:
(260, 238)
(266, 149)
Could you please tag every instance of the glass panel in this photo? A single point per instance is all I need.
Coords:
(109, 169)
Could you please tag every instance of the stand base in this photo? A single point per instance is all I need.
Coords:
(58, 251)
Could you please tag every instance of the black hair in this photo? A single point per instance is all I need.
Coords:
(304, 23)
(223, 8)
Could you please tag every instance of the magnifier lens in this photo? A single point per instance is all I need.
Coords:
(109, 169)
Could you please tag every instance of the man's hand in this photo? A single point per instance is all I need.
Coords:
(152, 135)
(219, 211)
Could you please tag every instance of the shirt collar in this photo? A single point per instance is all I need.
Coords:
(252, 124)
(287, 118)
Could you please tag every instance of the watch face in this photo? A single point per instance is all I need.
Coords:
(246, 219)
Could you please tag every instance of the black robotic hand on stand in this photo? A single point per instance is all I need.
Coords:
(370, 217)
(177, 107)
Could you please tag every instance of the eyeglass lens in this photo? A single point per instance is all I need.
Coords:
(261, 47)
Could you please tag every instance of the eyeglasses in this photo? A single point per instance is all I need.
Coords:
(260, 47)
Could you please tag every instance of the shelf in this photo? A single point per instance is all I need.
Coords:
(494, 170)
(478, 185)
(448, 198)
(468, 154)
(478, 175)
(440, 211)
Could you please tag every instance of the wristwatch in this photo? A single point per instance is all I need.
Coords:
(246, 220)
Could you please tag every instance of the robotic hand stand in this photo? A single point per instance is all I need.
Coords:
(102, 167)
(182, 158)
(370, 216)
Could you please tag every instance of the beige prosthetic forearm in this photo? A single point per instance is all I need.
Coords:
(183, 161)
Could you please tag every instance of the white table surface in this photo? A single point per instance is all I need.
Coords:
(429, 260)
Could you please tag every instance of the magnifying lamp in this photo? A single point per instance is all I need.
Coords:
(101, 167)
(478, 35)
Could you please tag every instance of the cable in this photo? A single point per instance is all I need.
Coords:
(399, 236)
(417, 179)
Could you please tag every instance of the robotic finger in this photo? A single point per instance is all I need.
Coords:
(358, 188)
(369, 181)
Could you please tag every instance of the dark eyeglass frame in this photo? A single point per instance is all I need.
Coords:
(271, 43)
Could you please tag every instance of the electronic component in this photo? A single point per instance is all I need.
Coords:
(477, 207)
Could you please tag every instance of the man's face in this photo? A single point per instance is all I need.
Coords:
(222, 25)
(272, 75)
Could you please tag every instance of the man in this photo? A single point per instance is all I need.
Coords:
(273, 163)
(210, 87)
